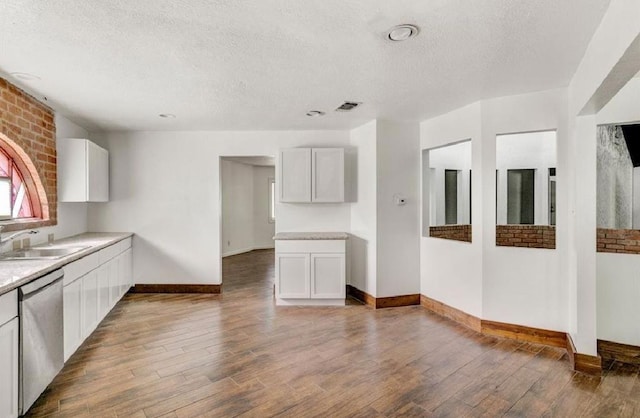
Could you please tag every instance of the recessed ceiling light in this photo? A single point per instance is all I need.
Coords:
(314, 113)
(25, 76)
(402, 32)
(167, 115)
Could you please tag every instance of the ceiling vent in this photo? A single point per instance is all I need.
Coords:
(347, 106)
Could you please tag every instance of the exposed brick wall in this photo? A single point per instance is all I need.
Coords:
(28, 134)
(528, 236)
(454, 232)
(622, 241)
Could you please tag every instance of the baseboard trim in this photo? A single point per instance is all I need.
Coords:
(623, 353)
(452, 313)
(524, 333)
(397, 301)
(246, 250)
(362, 296)
(584, 363)
(177, 288)
(381, 303)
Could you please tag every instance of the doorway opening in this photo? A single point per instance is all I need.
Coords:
(247, 224)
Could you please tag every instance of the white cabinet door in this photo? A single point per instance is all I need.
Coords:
(97, 173)
(90, 303)
(327, 178)
(103, 290)
(328, 276)
(114, 282)
(9, 369)
(125, 271)
(295, 175)
(72, 313)
(83, 171)
(292, 276)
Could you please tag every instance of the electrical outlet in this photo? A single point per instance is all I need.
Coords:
(228, 243)
(50, 238)
(16, 245)
(26, 243)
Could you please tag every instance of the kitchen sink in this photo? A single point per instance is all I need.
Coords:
(45, 253)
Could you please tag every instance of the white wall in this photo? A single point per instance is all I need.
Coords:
(451, 271)
(608, 61)
(618, 275)
(237, 207)
(522, 285)
(263, 228)
(72, 217)
(362, 243)
(398, 227)
(165, 188)
(245, 207)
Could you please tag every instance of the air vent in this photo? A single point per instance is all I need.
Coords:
(347, 106)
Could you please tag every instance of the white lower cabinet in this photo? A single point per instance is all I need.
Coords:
(72, 314)
(90, 308)
(9, 369)
(92, 289)
(328, 276)
(293, 276)
(310, 272)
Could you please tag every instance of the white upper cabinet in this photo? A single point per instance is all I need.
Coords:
(327, 175)
(83, 171)
(312, 175)
(295, 179)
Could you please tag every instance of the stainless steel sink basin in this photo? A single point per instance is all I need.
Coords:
(45, 253)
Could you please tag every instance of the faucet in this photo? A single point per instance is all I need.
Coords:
(11, 237)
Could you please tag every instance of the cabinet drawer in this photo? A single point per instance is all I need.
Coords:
(310, 246)
(108, 253)
(8, 306)
(73, 271)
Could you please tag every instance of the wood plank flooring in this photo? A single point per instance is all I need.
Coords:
(236, 354)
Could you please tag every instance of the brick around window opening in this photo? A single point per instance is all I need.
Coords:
(28, 135)
(526, 236)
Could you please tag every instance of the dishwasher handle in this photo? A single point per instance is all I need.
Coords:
(40, 283)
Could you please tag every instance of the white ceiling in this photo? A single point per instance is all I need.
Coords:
(262, 64)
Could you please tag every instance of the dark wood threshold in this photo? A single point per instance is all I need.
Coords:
(176, 288)
(584, 363)
(381, 303)
(623, 353)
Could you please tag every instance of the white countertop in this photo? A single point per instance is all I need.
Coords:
(15, 273)
(311, 236)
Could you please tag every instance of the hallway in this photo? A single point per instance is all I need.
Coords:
(236, 354)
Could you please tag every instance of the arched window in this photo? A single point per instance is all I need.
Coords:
(22, 195)
(15, 198)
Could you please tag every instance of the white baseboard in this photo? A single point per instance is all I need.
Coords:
(246, 250)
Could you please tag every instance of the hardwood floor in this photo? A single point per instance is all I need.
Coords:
(236, 354)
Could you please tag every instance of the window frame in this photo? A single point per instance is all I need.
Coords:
(13, 172)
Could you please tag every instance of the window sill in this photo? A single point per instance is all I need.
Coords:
(25, 223)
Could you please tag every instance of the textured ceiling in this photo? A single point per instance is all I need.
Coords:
(262, 64)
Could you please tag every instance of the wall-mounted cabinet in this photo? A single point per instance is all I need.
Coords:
(83, 171)
(312, 175)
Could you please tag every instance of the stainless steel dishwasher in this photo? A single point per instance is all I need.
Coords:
(41, 336)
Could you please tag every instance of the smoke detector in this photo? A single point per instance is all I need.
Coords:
(347, 106)
(314, 113)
